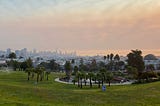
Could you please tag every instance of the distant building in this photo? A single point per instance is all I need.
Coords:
(150, 59)
(8, 51)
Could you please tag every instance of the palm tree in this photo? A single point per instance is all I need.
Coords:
(99, 77)
(109, 76)
(40, 72)
(103, 75)
(85, 77)
(47, 73)
(108, 56)
(68, 68)
(116, 58)
(78, 78)
(37, 70)
(81, 77)
(95, 77)
(90, 74)
(28, 70)
(111, 56)
(73, 61)
(104, 57)
(75, 70)
(33, 71)
(74, 80)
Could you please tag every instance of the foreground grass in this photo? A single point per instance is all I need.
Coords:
(15, 90)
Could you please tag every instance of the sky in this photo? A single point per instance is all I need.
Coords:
(82, 25)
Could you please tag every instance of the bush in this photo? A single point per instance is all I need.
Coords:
(147, 77)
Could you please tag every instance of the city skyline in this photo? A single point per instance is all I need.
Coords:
(88, 25)
(155, 52)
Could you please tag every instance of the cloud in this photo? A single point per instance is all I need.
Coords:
(80, 24)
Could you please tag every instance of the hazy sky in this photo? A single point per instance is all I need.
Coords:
(80, 24)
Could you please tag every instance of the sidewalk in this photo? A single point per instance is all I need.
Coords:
(125, 83)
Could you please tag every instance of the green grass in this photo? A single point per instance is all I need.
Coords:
(15, 90)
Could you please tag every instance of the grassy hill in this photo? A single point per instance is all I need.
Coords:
(15, 90)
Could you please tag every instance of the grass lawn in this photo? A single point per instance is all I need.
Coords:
(15, 90)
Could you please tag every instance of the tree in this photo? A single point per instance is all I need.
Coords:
(90, 74)
(121, 65)
(78, 78)
(132, 71)
(103, 75)
(75, 70)
(95, 77)
(73, 61)
(108, 57)
(32, 72)
(135, 59)
(111, 56)
(42, 69)
(150, 67)
(53, 65)
(14, 64)
(29, 63)
(104, 57)
(40, 72)
(81, 66)
(99, 77)
(84, 75)
(24, 65)
(68, 68)
(28, 70)
(93, 67)
(109, 76)
(116, 58)
(116, 62)
(12, 55)
(47, 73)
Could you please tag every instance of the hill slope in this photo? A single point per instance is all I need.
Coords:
(15, 90)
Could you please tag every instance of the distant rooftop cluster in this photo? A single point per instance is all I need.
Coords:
(24, 53)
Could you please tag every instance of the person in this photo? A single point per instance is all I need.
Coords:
(103, 88)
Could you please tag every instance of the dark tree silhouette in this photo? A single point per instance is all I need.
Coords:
(135, 59)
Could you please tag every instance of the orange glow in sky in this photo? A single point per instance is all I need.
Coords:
(81, 25)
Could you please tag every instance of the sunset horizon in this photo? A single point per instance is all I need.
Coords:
(84, 26)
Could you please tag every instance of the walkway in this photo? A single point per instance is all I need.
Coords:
(125, 83)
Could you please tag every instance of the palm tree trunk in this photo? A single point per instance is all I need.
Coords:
(78, 81)
(28, 75)
(98, 84)
(41, 77)
(74, 82)
(102, 81)
(85, 82)
(47, 77)
(81, 82)
(37, 77)
(90, 82)
(109, 83)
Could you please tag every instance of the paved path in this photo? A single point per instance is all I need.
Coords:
(125, 83)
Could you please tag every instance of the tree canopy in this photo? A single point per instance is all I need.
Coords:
(135, 59)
